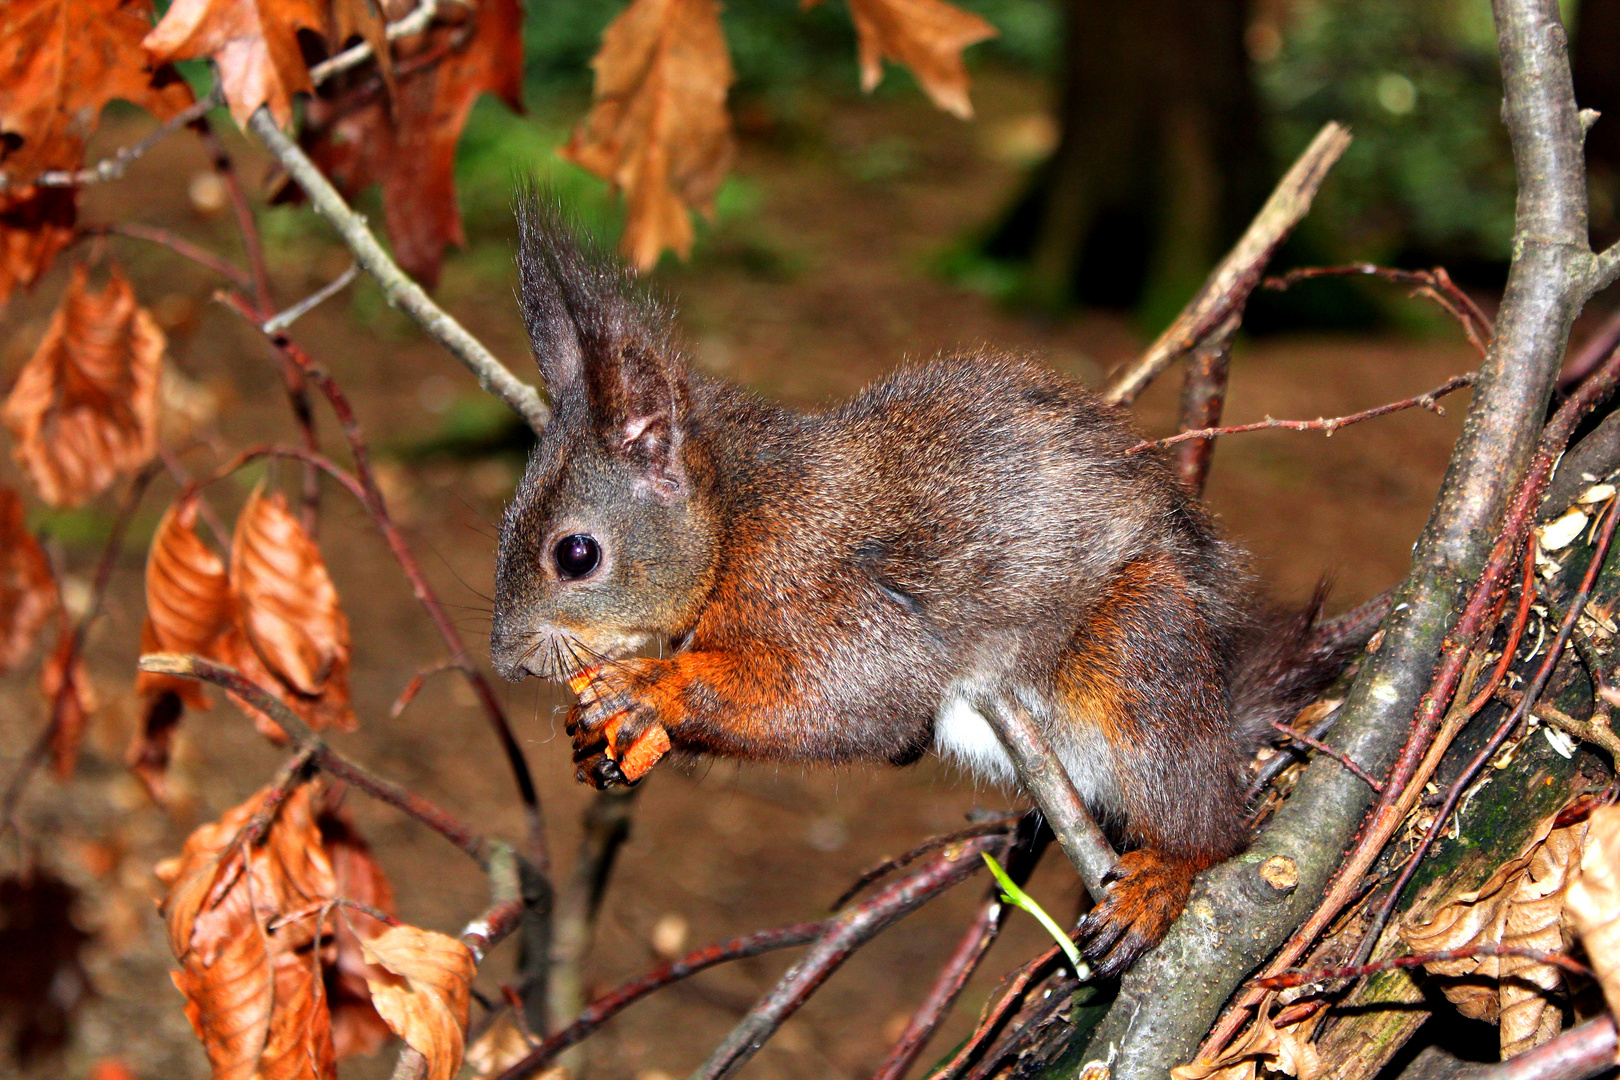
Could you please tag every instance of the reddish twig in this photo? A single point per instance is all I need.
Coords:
(998, 827)
(1293, 977)
(327, 759)
(1019, 862)
(1329, 425)
(414, 687)
(610, 1004)
(1435, 284)
(1203, 396)
(843, 934)
(1515, 717)
(1323, 748)
(997, 1012)
(1035, 1019)
(177, 244)
(1594, 350)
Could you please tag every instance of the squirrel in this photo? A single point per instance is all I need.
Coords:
(847, 585)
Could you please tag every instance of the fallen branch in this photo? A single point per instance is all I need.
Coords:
(398, 288)
(1228, 287)
(1329, 425)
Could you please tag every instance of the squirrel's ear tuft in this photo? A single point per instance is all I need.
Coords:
(597, 333)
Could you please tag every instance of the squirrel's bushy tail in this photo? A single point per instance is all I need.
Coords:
(1293, 656)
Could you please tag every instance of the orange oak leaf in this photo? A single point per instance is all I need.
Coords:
(84, 407)
(61, 61)
(35, 224)
(244, 921)
(287, 613)
(253, 43)
(28, 595)
(658, 130)
(927, 36)
(356, 1027)
(422, 992)
(64, 682)
(188, 600)
(408, 145)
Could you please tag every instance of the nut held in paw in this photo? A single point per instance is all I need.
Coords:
(637, 759)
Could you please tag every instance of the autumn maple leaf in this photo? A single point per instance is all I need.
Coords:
(61, 61)
(84, 408)
(254, 46)
(927, 36)
(408, 146)
(659, 130)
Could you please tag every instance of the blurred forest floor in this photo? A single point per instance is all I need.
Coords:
(813, 282)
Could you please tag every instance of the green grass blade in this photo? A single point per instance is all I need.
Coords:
(1012, 894)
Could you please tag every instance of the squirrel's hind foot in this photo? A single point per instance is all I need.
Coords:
(1146, 891)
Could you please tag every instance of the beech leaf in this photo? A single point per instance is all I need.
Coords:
(28, 595)
(84, 407)
(658, 129)
(356, 1027)
(1519, 906)
(287, 613)
(1594, 901)
(188, 600)
(422, 992)
(927, 36)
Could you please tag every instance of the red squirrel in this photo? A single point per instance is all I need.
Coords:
(848, 585)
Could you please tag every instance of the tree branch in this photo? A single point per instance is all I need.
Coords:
(1228, 287)
(1163, 1009)
(397, 286)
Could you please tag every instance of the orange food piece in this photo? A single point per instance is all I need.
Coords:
(637, 759)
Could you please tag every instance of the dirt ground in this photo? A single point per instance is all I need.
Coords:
(721, 849)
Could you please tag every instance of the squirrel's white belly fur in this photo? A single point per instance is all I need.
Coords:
(964, 737)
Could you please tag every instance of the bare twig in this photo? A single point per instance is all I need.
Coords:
(610, 1004)
(177, 244)
(997, 1012)
(1002, 825)
(1203, 396)
(844, 934)
(414, 23)
(1328, 424)
(1435, 284)
(279, 322)
(329, 760)
(1292, 978)
(114, 167)
(1323, 748)
(1229, 285)
(1043, 776)
(606, 827)
(397, 286)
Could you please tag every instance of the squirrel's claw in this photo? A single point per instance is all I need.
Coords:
(1146, 891)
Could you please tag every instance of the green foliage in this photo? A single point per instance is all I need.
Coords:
(1012, 894)
(1430, 170)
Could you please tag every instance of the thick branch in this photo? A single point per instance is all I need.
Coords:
(1162, 1008)
(397, 286)
(1228, 287)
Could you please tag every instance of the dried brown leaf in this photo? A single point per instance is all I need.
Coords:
(659, 130)
(64, 682)
(188, 600)
(1520, 906)
(84, 407)
(28, 595)
(253, 43)
(503, 1044)
(408, 146)
(61, 61)
(35, 224)
(287, 612)
(1594, 901)
(1286, 1049)
(356, 1027)
(927, 36)
(423, 991)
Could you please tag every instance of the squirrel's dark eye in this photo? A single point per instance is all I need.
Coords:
(577, 555)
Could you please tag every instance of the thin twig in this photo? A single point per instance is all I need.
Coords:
(1203, 396)
(1324, 424)
(329, 760)
(1228, 287)
(114, 167)
(1435, 284)
(997, 1011)
(177, 244)
(844, 934)
(1323, 748)
(1002, 825)
(284, 319)
(1292, 978)
(397, 287)
(353, 57)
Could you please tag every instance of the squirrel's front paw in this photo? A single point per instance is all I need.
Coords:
(1146, 892)
(615, 725)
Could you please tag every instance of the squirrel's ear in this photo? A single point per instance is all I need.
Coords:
(596, 334)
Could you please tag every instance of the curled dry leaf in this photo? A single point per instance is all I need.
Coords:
(188, 600)
(408, 146)
(422, 992)
(927, 36)
(1285, 1048)
(658, 130)
(61, 61)
(245, 922)
(1594, 901)
(35, 224)
(64, 682)
(1519, 906)
(253, 43)
(84, 408)
(356, 1027)
(287, 614)
(28, 595)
